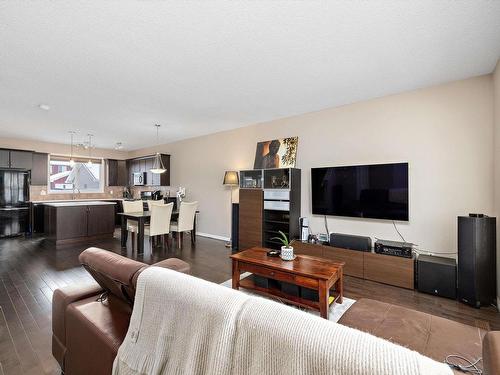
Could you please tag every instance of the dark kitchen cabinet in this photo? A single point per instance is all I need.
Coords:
(165, 177)
(21, 159)
(117, 173)
(118, 209)
(39, 171)
(38, 217)
(100, 220)
(145, 164)
(63, 223)
(122, 173)
(16, 159)
(142, 168)
(162, 179)
(155, 179)
(112, 172)
(148, 165)
(77, 223)
(129, 173)
(4, 159)
(134, 168)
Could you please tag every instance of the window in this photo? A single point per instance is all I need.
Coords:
(81, 176)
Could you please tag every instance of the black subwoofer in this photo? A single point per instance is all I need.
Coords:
(477, 260)
(437, 275)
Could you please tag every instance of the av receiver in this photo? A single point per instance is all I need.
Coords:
(399, 249)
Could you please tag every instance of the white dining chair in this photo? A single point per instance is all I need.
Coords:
(185, 222)
(159, 224)
(132, 206)
(152, 203)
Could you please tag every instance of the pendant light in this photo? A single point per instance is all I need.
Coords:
(71, 160)
(90, 149)
(158, 166)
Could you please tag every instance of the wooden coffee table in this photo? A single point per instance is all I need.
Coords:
(305, 271)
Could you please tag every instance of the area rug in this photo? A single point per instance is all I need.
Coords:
(336, 309)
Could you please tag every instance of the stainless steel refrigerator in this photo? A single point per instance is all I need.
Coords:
(14, 202)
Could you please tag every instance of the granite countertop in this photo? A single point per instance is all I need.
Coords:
(79, 203)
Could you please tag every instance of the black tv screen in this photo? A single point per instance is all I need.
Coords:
(378, 191)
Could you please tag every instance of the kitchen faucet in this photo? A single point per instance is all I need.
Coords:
(73, 195)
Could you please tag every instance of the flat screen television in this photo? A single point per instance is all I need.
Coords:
(378, 191)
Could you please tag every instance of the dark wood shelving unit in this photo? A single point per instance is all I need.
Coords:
(281, 205)
(269, 203)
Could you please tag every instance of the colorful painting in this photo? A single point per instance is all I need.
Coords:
(278, 153)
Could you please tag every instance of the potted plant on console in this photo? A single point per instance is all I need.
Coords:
(286, 249)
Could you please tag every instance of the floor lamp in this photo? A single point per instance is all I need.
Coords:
(231, 179)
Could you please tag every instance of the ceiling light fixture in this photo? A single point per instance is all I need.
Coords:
(118, 146)
(71, 160)
(158, 166)
(45, 107)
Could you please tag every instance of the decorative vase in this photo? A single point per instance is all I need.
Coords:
(287, 253)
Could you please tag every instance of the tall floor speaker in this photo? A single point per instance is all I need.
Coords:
(235, 224)
(477, 260)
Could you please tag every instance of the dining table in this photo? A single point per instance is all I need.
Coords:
(142, 218)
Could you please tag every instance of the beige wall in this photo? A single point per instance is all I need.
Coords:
(444, 132)
(496, 98)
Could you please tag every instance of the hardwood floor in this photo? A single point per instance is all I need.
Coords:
(31, 269)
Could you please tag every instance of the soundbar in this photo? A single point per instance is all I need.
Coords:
(395, 248)
(347, 241)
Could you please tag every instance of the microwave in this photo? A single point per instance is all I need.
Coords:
(139, 178)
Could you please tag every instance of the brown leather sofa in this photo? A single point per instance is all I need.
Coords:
(88, 328)
(427, 334)
(89, 323)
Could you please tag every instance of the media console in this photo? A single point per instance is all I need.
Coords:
(391, 270)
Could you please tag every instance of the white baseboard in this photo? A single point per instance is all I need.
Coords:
(214, 236)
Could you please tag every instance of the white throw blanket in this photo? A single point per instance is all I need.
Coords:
(183, 325)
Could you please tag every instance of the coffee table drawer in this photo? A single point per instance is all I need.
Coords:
(279, 275)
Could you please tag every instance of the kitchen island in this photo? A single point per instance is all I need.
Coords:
(79, 221)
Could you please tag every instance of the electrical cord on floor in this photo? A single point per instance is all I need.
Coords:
(469, 368)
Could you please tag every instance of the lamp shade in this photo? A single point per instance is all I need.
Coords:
(231, 178)
(158, 166)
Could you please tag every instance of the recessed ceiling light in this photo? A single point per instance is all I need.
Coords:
(45, 107)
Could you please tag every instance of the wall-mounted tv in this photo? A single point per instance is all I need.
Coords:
(377, 191)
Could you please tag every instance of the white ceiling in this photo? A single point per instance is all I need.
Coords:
(114, 68)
